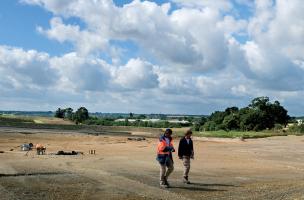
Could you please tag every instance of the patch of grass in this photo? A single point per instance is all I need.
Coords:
(37, 121)
(228, 134)
(29, 122)
(7, 119)
(239, 134)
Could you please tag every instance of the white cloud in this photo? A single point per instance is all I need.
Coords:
(54, 6)
(136, 74)
(60, 31)
(232, 26)
(274, 54)
(81, 74)
(218, 4)
(86, 42)
(174, 83)
(200, 35)
(32, 71)
(22, 69)
(191, 54)
(178, 39)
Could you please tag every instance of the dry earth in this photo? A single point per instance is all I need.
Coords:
(270, 168)
(51, 120)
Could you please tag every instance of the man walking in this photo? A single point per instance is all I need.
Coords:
(164, 157)
(185, 152)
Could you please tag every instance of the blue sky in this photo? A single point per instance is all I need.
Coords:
(18, 18)
(19, 21)
(177, 56)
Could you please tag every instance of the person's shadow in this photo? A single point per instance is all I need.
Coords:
(213, 184)
(194, 186)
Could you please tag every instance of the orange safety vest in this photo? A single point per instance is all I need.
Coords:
(39, 146)
(162, 145)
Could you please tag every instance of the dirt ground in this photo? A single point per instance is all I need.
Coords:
(269, 168)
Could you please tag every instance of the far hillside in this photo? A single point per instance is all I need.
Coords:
(261, 118)
(28, 113)
(261, 115)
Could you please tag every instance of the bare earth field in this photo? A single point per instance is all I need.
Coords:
(269, 168)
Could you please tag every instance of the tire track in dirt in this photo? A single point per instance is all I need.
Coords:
(6, 168)
(5, 194)
(125, 184)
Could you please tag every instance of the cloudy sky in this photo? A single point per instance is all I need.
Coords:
(173, 56)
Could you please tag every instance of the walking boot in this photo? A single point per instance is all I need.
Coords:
(163, 184)
(185, 180)
(166, 181)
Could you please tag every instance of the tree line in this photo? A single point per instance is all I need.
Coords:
(259, 115)
(82, 116)
(128, 122)
(79, 116)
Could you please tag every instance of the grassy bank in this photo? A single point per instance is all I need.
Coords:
(241, 134)
(236, 134)
(48, 123)
(230, 134)
(59, 124)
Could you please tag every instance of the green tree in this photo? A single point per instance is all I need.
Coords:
(68, 113)
(142, 116)
(270, 113)
(231, 110)
(199, 123)
(259, 115)
(162, 117)
(217, 117)
(131, 115)
(81, 115)
(59, 113)
(279, 113)
(252, 120)
(231, 122)
(189, 119)
(260, 103)
(210, 126)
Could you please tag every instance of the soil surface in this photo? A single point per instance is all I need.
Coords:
(269, 168)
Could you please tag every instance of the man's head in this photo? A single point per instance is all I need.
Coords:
(168, 132)
(188, 134)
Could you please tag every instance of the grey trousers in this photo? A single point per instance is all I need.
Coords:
(165, 171)
(186, 163)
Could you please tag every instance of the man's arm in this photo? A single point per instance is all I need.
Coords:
(180, 149)
(192, 151)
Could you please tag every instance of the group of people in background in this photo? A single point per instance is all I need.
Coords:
(164, 156)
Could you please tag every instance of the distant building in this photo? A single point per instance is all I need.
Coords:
(123, 120)
(173, 121)
(300, 121)
(179, 121)
(150, 120)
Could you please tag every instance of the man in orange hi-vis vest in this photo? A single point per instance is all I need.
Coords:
(164, 157)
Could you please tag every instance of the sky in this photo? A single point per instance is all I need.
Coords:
(173, 56)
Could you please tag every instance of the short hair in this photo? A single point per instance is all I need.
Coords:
(168, 130)
(188, 132)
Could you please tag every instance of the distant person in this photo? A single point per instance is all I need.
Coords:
(164, 157)
(185, 153)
